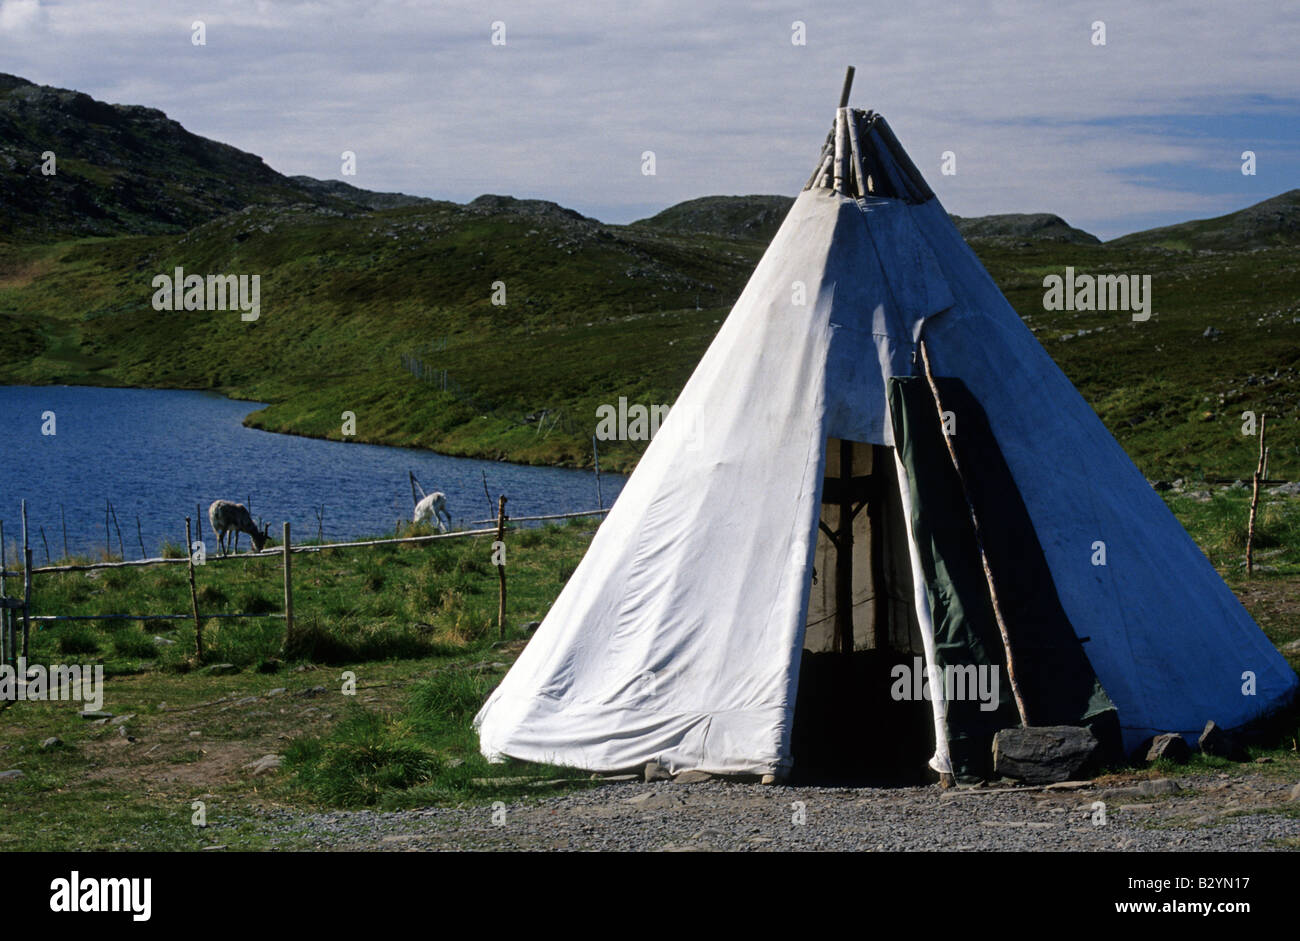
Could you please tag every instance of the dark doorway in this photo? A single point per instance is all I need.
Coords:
(848, 728)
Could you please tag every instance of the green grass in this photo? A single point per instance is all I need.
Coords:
(423, 752)
(594, 313)
(421, 647)
(384, 602)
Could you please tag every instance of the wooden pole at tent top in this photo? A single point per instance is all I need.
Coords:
(979, 542)
(848, 85)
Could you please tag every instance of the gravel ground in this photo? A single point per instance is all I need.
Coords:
(1254, 812)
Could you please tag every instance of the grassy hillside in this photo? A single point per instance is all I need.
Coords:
(1274, 222)
(362, 291)
(594, 312)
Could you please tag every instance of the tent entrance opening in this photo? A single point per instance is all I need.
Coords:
(861, 626)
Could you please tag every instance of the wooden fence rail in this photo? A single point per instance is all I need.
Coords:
(284, 551)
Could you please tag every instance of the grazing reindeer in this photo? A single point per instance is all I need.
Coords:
(433, 506)
(226, 516)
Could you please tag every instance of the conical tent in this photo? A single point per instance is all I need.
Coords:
(801, 506)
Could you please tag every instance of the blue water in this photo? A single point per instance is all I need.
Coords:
(155, 453)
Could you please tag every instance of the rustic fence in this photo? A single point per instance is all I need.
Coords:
(16, 617)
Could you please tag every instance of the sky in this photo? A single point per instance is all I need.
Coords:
(1145, 130)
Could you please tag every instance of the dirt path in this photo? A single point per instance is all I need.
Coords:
(1216, 812)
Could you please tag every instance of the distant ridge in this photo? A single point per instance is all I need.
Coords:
(750, 217)
(354, 194)
(1020, 227)
(758, 217)
(1273, 222)
(126, 169)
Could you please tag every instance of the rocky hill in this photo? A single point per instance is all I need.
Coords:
(125, 169)
(1011, 228)
(1273, 222)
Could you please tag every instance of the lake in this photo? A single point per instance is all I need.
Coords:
(155, 453)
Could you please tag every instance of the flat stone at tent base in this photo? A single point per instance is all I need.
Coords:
(655, 772)
(1044, 754)
(1170, 746)
(693, 777)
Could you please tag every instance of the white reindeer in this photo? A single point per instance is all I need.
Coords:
(434, 507)
(226, 516)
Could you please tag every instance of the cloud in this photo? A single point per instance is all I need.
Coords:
(17, 16)
(1041, 119)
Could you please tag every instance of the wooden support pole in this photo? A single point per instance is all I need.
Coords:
(46, 543)
(198, 521)
(848, 87)
(288, 582)
(841, 150)
(1254, 500)
(194, 593)
(858, 168)
(979, 542)
(501, 568)
(844, 554)
(880, 612)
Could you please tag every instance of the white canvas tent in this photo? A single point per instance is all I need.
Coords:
(724, 565)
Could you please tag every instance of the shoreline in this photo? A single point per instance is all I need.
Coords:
(618, 469)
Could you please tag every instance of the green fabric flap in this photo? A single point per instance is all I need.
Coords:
(1056, 679)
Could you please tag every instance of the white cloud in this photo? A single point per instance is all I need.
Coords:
(728, 104)
(17, 16)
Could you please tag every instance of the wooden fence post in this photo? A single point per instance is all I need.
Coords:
(4, 608)
(27, 584)
(595, 453)
(288, 583)
(1254, 501)
(27, 598)
(501, 568)
(194, 593)
(121, 547)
